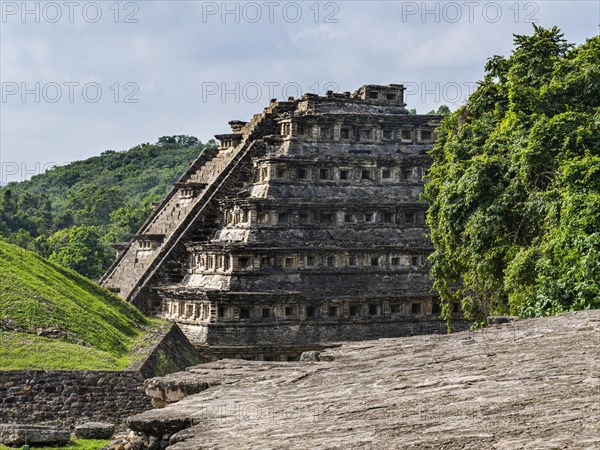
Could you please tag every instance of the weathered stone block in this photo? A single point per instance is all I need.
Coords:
(171, 391)
(15, 435)
(95, 430)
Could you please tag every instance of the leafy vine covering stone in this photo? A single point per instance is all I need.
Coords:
(514, 189)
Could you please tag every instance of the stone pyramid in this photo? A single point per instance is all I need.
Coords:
(304, 227)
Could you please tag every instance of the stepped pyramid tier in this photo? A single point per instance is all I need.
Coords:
(304, 227)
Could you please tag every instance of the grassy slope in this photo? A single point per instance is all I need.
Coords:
(78, 444)
(98, 328)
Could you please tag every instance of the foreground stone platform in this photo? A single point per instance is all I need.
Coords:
(525, 384)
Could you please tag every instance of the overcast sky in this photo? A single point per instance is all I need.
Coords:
(79, 78)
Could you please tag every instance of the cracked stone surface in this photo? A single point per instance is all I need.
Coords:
(525, 384)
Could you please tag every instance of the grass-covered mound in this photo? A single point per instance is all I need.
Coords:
(53, 318)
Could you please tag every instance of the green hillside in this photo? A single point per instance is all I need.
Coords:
(53, 318)
(73, 213)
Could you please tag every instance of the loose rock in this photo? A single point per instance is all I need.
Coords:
(95, 430)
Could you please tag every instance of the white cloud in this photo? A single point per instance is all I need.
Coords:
(171, 52)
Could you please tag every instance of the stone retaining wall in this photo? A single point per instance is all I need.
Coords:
(308, 333)
(70, 397)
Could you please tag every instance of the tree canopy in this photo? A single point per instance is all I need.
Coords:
(514, 188)
(443, 110)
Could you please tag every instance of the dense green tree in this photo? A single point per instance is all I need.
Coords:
(443, 110)
(514, 189)
(23, 239)
(127, 220)
(92, 205)
(80, 249)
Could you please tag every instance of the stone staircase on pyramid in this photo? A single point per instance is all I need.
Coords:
(170, 221)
